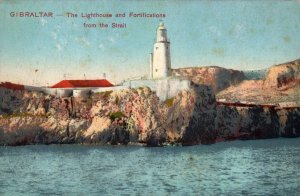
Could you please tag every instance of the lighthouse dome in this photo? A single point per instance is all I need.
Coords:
(161, 26)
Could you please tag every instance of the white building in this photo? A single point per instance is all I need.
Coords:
(160, 60)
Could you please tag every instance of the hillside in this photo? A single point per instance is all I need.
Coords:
(283, 76)
(217, 77)
(281, 84)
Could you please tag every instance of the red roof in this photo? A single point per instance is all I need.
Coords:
(82, 83)
(12, 86)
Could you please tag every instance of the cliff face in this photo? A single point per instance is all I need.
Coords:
(136, 116)
(217, 77)
(257, 122)
(283, 76)
(281, 84)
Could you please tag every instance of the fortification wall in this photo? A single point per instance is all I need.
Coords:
(165, 88)
(113, 88)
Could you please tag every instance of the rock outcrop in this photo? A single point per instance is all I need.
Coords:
(283, 76)
(280, 85)
(257, 122)
(217, 77)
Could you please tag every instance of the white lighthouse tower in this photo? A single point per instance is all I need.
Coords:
(160, 61)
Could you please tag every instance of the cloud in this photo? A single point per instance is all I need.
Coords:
(58, 47)
(101, 46)
(112, 39)
(86, 42)
(83, 41)
(57, 27)
(43, 21)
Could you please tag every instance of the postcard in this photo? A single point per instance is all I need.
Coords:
(86, 86)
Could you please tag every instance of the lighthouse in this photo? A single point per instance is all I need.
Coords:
(159, 79)
(160, 61)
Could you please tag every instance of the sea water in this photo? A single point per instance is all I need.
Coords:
(258, 167)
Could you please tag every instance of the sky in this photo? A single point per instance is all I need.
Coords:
(245, 35)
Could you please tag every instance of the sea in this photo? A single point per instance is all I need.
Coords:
(253, 167)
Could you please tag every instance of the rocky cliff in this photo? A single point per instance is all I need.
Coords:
(120, 117)
(137, 116)
(281, 84)
(217, 77)
(283, 76)
(255, 122)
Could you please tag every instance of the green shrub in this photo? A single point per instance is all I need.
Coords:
(115, 115)
(5, 115)
(169, 102)
(107, 93)
(117, 100)
(104, 94)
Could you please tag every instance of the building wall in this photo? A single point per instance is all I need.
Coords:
(113, 88)
(34, 88)
(151, 66)
(161, 60)
(169, 88)
(58, 92)
(165, 88)
(82, 93)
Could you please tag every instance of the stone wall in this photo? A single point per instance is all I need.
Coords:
(165, 88)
